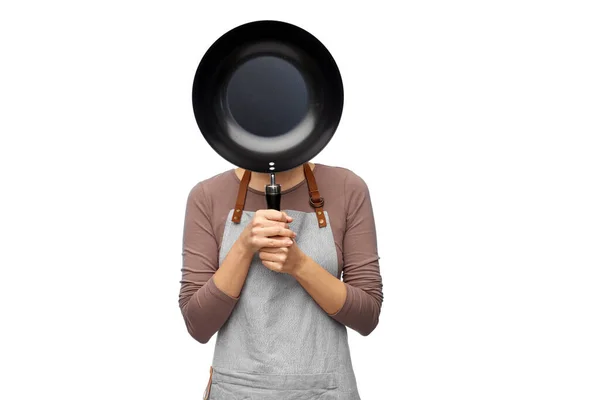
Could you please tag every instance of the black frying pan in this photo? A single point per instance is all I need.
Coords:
(268, 97)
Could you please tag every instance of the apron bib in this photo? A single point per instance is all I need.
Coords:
(278, 343)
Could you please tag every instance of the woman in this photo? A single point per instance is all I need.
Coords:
(269, 282)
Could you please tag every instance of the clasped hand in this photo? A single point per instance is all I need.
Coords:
(269, 234)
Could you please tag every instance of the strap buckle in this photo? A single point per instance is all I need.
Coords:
(318, 204)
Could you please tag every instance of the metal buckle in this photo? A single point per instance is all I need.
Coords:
(319, 203)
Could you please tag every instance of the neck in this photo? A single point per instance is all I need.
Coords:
(287, 179)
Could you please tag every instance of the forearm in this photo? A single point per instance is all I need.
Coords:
(352, 306)
(360, 311)
(327, 291)
(232, 273)
(211, 305)
(206, 311)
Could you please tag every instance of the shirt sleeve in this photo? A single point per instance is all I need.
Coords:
(204, 306)
(360, 272)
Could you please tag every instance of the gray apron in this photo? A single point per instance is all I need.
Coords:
(278, 343)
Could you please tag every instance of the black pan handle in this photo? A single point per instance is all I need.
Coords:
(273, 195)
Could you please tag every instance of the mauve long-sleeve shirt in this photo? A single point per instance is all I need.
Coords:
(206, 308)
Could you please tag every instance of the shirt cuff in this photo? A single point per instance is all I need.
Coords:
(347, 306)
(212, 288)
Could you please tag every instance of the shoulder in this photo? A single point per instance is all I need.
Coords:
(350, 181)
(351, 188)
(205, 190)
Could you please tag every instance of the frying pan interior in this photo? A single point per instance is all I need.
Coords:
(267, 96)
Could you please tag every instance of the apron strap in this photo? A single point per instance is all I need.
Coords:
(315, 200)
(241, 198)
(208, 386)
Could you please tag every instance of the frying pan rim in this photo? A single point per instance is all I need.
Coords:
(234, 41)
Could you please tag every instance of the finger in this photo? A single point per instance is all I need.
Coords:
(273, 266)
(273, 231)
(275, 215)
(261, 222)
(280, 250)
(260, 242)
(274, 257)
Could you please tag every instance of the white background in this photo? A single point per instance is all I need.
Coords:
(475, 124)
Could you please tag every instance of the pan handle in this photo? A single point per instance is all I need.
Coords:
(273, 194)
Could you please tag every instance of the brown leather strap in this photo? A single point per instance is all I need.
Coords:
(316, 200)
(208, 387)
(241, 198)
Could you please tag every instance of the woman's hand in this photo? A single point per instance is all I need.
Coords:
(268, 229)
(286, 260)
